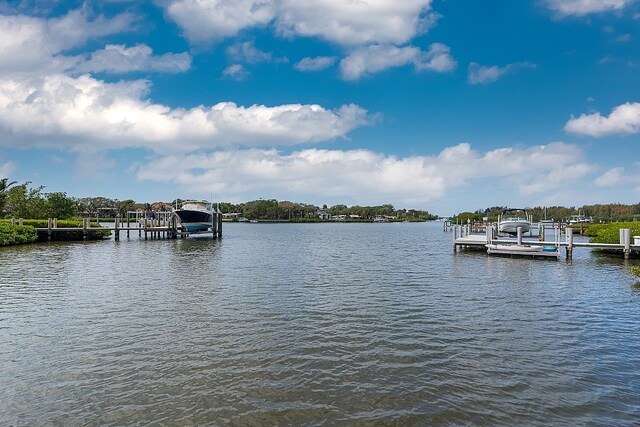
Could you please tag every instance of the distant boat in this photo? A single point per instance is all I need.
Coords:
(579, 219)
(380, 219)
(195, 215)
(511, 219)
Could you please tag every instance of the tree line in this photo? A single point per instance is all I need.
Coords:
(24, 201)
(273, 209)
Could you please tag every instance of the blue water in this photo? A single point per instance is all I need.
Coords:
(314, 324)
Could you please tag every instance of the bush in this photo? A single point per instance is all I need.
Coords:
(610, 233)
(636, 270)
(16, 234)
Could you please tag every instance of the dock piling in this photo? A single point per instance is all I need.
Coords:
(625, 240)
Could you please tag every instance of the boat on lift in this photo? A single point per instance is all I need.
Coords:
(511, 219)
(195, 216)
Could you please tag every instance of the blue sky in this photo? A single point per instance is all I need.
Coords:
(442, 105)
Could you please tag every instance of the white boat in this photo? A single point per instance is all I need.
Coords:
(579, 219)
(523, 250)
(511, 219)
(195, 215)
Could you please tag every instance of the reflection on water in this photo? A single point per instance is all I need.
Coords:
(314, 324)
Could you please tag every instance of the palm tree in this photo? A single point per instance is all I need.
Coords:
(5, 185)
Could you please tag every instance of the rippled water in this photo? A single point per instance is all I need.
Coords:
(314, 324)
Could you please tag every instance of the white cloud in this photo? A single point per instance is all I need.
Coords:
(346, 23)
(83, 112)
(214, 20)
(367, 177)
(28, 43)
(350, 23)
(247, 52)
(6, 169)
(236, 72)
(624, 119)
(122, 59)
(480, 74)
(376, 58)
(318, 63)
(610, 178)
(585, 7)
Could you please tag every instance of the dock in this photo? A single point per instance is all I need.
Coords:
(165, 225)
(466, 236)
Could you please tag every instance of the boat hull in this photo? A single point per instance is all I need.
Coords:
(511, 227)
(195, 220)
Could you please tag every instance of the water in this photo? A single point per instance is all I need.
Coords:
(282, 324)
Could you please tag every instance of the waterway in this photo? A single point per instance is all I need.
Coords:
(316, 324)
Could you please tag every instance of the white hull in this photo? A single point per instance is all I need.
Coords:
(511, 226)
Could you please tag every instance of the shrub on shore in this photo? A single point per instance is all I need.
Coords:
(17, 234)
(636, 270)
(610, 233)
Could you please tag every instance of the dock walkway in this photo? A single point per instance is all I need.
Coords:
(463, 237)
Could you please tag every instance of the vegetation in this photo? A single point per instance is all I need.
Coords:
(16, 234)
(636, 270)
(610, 233)
(272, 209)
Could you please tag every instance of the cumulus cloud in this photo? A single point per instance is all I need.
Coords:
(122, 59)
(345, 23)
(623, 120)
(368, 177)
(318, 63)
(480, 74)
(376, 58)
(28, 43)
(215, 20)
(350, 23)
(585, 7)
(86, 112)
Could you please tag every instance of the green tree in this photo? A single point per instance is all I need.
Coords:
(5, 185)
(25, 202)
(60, 206)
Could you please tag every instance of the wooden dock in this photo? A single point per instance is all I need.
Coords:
(165, 226)
(466, 237)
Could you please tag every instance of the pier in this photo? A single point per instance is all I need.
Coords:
(468, 236)
(164, 225)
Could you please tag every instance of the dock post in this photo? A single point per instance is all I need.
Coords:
(13, 221)
(625, 240)
(488, 231)
(569, 239)
(20, 221)
(116, 234)
(85, 226)
(49, 227)
(519, 231)
(454, 228)
(541, 229)
(219, 223)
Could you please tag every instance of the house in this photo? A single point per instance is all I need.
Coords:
(323, 215)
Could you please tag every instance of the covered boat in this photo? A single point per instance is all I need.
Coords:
(195, 216)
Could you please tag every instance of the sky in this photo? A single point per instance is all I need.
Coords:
(442, 105)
